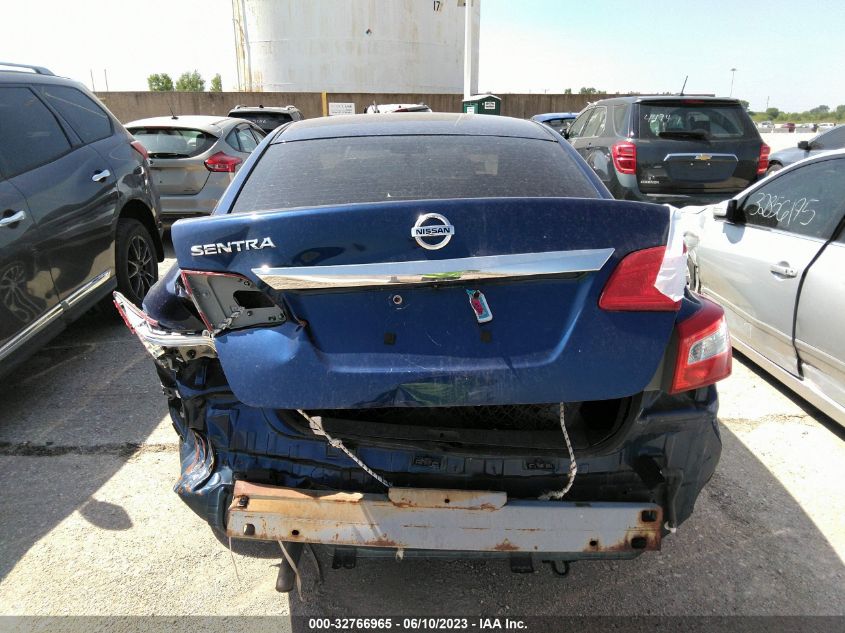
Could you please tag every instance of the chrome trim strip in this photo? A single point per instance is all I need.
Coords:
(39, 324)
(158, 341)
(92, 285)
(693, 155)
(31, 330)
(491, 267)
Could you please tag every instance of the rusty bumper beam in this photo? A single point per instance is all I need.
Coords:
(454, 520)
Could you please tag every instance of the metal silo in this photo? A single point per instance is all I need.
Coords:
(378, 46)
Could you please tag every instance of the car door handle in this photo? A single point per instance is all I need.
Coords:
(13, 219)
(783, 269)
(100, 176)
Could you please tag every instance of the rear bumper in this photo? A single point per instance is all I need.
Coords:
(445, 520)
(201, 203)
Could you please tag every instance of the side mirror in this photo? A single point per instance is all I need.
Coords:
(729, 210)
(805, 145)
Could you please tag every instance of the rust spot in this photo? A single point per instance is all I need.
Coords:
(488, 506)
(506, 546)
(382, 542)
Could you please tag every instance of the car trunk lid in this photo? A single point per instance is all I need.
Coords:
(505, 312)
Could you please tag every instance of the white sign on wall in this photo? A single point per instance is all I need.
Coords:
(341, 108)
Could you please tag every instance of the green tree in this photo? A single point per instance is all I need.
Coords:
(840, 112)
(160, 82)
(190, 82)
(568, 91)
(820, 110)
(588, 91)
(216, 84)
(744, 103)
(772, 113)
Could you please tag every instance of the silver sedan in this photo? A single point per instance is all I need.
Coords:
(194, 158)
(773, 257)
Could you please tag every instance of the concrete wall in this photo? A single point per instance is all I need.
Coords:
(128, 106)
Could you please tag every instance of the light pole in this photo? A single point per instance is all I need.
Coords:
(733, 74)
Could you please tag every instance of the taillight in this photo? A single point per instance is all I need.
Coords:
(222, 162)
(624, 157)
(763, 161)
(631, 286)
(227, 301)
(139, 147)
(704, 349)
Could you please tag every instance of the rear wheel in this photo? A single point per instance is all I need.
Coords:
(135, 260)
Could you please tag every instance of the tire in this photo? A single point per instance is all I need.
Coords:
(135, 260)
(773, 167)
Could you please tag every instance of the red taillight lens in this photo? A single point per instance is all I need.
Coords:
(139, 147)
(704, 349)
(631, 286)
(222, 162)
(624, 157)
(763, 161)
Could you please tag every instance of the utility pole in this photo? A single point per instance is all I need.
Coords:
(467, 49)
(106, 77)
(733, 74)
(93, 89)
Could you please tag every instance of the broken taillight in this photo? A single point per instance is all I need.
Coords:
(704, 349)
(631, 286)
(229, 301)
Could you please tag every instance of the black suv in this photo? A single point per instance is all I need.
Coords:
(268, 118)
(78, 213)
(676, 149)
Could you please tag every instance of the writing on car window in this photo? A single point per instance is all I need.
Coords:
(806, 201)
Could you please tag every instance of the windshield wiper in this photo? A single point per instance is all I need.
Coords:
(685, 134)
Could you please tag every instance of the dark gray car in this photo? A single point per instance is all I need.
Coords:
(676, 149)
(78, 212)
(827, 140)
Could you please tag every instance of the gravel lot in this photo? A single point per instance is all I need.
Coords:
(94, 528)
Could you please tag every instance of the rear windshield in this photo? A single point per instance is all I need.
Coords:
(267, 121)
(693, 119)
(165, 142)
(382, 168)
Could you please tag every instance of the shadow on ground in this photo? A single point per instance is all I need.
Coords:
(90, 391)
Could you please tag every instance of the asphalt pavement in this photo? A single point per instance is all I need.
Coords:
(90, 525)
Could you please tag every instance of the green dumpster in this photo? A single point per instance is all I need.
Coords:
(483, 104)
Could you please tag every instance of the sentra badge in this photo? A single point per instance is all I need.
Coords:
(432, 226)
(231, 247)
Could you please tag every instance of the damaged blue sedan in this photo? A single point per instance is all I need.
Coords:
(435, 335)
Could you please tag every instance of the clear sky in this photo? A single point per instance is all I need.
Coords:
(785, 52)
